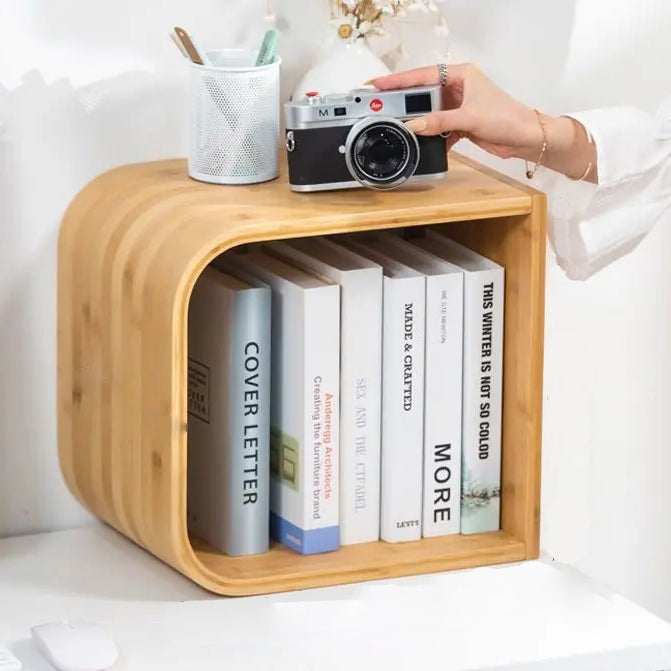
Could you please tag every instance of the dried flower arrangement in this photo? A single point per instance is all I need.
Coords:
(360, 18)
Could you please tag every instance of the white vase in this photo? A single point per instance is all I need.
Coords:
(340, 68)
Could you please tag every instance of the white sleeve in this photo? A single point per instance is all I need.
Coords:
(593, 225)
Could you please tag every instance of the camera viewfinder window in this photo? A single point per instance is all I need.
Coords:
(418, 103)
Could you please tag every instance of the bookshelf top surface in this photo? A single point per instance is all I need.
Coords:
(470, 191)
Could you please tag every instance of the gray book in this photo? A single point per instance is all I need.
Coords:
(229, 412)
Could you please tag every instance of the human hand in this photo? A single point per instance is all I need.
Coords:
(476, 109)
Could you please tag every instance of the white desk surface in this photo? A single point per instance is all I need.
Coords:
(519, 617)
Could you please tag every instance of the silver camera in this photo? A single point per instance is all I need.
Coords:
(359, 139)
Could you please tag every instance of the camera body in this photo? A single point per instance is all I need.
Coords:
(356, 139)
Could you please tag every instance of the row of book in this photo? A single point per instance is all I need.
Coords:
(345, 390)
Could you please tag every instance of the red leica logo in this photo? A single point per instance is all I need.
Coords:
(376, 104)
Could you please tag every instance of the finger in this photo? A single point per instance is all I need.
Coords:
(429, 76)
(440, 122)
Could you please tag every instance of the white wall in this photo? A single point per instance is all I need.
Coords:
(90, 85)
(606, 503)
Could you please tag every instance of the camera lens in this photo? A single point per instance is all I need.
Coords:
(381, 153)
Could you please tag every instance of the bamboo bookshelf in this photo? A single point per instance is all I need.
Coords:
(131, 247)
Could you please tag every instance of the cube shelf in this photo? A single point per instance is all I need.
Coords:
(132, 245)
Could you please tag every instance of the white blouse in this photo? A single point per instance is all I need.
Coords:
(592, 225)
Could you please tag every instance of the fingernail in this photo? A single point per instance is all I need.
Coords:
(369, 82)
(416, 125)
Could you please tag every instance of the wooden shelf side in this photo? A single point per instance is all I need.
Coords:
(131, 247)
(518, 243)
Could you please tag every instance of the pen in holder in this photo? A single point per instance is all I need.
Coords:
(235, 118)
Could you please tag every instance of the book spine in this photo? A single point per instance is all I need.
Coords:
(442, 408)
(249, 433)
(307, 465)
(228, 417)
(483, 366)
(361, 371)
(402, 409)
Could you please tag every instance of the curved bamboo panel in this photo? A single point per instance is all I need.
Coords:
(131, 247)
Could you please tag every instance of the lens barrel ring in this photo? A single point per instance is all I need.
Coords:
(397, 129)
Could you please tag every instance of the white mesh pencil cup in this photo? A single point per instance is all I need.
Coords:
(235, 119)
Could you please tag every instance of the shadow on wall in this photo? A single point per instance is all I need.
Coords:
(54, 139)
(521, 44)
(55, 136)
(93, 34)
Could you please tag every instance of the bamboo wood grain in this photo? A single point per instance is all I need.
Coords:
(282, 569)
(131, 247)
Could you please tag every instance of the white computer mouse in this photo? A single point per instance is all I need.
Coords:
(76, 646)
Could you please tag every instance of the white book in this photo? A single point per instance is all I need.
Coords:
(484, 288)
(229, 412)
(304, 414)
(360, 283)
(402, 396)
(441, 512)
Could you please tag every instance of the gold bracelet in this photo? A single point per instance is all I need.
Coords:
(532, 173)
(590, 140)
(582, 177)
